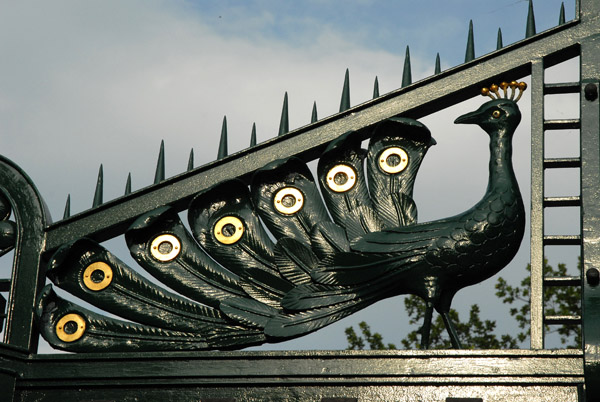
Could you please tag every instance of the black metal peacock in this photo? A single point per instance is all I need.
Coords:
(242, 288)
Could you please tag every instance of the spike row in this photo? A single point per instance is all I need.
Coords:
(513, 85)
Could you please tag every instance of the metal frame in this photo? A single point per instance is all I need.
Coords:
(28, 376)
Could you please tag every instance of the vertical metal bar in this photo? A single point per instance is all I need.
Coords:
(590, 198)
(537, 205)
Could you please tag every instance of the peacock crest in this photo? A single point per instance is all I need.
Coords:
(284, 254)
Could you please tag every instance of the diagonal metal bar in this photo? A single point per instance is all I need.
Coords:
(450, 87)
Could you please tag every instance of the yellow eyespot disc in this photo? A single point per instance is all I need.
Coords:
(97, 276)
(165, 247)
(70, 327)
(228, 230)
(341, 178)
(288, 200)
(395, 154)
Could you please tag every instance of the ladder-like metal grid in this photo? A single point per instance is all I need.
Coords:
(540, 202)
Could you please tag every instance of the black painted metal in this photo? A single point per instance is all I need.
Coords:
(26, 376)
(30, 215)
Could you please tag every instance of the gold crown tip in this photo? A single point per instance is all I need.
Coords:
(514, 85)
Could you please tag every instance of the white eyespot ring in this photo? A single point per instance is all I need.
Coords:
(97, 276)
(70, 327)
(231, 223)
(396, 153)
(288, 200)
(165, 247)
(341, 178)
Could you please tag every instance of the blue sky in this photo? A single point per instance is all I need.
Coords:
(85, 83)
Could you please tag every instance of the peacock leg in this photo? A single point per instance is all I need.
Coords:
(426, 328)
(451, 330)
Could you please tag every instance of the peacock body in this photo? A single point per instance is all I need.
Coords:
(277, 259)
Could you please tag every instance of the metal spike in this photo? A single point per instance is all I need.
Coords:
(253, 135)
(406, 74)
(284, 123)
(376, 88)
(191, 160)
(223, 143)
(530, 30)
(67, 212)
(345, 102)
(313, 116)
(470, 53)
(499, 44)
(438, 65)
(561, 17)
(128, 184)
(159, 175)
(99, 186)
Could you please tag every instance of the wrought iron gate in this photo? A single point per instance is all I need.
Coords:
(496, 375)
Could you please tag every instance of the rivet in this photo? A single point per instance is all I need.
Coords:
(70, 327)
(292, 194)
(591, 92)
(163, 242)
(97, 276)
(229, 238)
(593, 276)
(399, 155)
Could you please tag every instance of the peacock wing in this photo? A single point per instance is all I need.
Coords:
(328, 238)
(295, 261)
(288, 325)
(287, 199)
(396, 151)
(344, 188)
(400, 240)
(352, 269)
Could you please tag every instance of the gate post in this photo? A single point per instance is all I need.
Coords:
(590, 195)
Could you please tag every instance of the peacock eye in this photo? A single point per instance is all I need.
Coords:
(496, 114)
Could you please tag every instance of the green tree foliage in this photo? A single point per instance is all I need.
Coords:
(558, 300)
(476, 333)
(375, 340)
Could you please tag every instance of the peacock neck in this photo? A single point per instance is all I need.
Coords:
(501, 168)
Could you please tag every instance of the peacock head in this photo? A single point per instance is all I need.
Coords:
(501, 114)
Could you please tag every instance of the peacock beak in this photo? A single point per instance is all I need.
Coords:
(469, 118)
